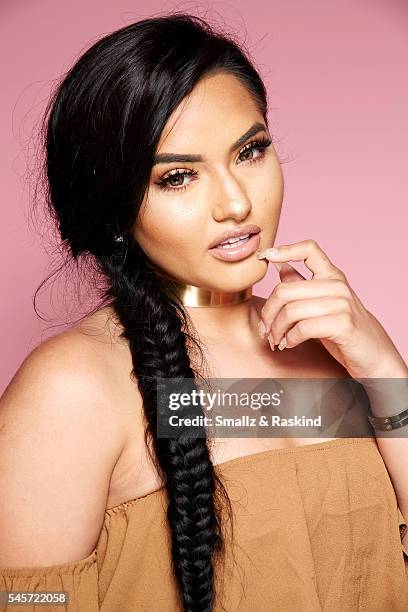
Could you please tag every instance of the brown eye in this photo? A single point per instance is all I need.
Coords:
(248, 154)
(248, 151)
(174, 181)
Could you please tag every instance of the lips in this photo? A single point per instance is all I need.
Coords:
(239, 251)
(235, 233)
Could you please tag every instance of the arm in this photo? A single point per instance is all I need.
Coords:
(388, 395)
(59, 442)
(326, 307)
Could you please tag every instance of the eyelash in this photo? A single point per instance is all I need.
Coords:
(260, 143)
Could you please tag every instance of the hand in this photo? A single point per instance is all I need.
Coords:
(327, 308)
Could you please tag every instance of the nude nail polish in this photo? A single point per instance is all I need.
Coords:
(261, 329)
(271, 342)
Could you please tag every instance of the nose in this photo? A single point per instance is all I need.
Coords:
(232, 201)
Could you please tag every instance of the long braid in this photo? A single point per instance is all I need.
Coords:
(152, 325)
(101, 130)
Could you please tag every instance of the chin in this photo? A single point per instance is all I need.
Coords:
(240, 285)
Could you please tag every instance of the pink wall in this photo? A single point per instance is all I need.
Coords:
(336, 75)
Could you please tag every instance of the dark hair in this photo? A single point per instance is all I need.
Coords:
(100, 132)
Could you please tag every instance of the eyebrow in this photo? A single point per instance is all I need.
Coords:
(167, 158)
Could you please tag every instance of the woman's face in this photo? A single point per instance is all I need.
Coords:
(188, 205)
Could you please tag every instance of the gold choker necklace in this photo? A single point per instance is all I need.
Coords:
(195, 297)
(192, 296)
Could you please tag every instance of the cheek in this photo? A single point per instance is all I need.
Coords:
(171, 231)
(267, 190)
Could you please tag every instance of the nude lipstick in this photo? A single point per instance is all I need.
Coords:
(237, 248)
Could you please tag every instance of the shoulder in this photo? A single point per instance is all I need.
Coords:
(73, 367)
(61, 435)
(311, 356)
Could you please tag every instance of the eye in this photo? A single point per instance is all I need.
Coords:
(261, 144)
(175, 179)
(172, 180)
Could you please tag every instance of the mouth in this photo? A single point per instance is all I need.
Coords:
(234, 233)
(236, 249)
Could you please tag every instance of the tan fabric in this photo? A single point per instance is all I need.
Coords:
(317, 529)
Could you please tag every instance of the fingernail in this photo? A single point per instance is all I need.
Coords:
(272, 252)
(267, 253)
(271, 342)
(261, 329)
(282, 344)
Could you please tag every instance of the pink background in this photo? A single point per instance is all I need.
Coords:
(336, 76)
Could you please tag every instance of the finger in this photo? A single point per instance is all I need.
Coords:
(333, 327)
(287, 272)
(293, 312)
(307, 251)
(284, 293)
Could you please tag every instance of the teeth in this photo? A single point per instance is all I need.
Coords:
(233, 244)
(232, 240)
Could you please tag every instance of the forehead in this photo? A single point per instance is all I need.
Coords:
(218, 110)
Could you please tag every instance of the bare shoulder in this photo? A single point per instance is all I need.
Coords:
(311, 356)
(61, 434)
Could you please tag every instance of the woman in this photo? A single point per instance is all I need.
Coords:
(157, 143)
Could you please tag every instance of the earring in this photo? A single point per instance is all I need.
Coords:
(120, 238)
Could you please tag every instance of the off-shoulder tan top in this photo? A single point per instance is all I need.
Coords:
(317, 529)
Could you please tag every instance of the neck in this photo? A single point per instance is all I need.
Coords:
(197, 297)
(218, 314)
(214, 314)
